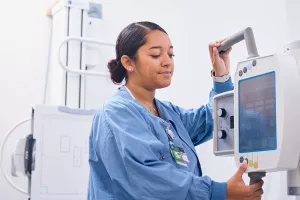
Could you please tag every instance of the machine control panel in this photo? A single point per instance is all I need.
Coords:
(223, 113)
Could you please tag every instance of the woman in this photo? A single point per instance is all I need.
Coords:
(142, 148)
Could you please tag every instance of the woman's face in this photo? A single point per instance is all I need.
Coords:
(154, 65)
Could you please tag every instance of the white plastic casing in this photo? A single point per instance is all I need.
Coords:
(223, 146)
(285, 155)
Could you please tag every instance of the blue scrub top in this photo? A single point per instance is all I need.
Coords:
(129, 153)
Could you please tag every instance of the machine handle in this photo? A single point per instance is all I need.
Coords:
(82, 72)
(247, 35)
(255, 177)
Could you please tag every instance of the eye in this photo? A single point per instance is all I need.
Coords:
(155, 56)
(171, 55)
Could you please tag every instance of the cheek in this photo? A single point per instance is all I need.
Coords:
(150, 67)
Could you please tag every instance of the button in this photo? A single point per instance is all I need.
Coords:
(240, 73)
(246, 160)
(256, 165)
(231, 122)
(254, 63)
(245, 70)
(163, 158)
(251, 163)
(249, 67)
(241, 159)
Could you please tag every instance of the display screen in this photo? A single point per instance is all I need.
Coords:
(257, 113)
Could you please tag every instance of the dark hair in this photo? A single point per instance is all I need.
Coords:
(129, 41)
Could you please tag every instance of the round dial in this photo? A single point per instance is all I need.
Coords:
(221, 112)
(222, 134)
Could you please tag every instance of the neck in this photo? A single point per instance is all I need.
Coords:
(141, 94)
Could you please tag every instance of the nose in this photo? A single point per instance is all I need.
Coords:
(167, 61)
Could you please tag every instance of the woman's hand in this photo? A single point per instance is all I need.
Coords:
(237, 190)
(220, 62)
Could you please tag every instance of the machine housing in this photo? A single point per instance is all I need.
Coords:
(264, 107)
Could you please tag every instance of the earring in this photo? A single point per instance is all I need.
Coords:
(130, 69)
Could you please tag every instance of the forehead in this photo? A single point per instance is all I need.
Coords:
(158, 38)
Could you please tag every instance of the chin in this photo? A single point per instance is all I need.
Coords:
(163, 84)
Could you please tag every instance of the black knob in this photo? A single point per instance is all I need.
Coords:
(222, 134)
(221, 112)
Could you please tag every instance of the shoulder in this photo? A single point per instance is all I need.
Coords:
(120, 106)
(117, 108)
(114, 113)
(116, 116)
(169, 106)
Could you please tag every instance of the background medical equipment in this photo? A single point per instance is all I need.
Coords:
(80, 51)
(77, 83)
(258, 121)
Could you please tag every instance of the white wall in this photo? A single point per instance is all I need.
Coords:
(191, 26)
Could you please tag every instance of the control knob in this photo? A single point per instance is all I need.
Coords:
(221, 112)
(222, 134)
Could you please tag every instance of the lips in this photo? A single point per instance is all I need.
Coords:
(165, 72)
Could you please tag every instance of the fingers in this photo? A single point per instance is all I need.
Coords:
(227, 52)
(215, 51)
(242, 168)
(210, 49)
(257, 195)
(256, 186)
(222, 40)
(218, 42)
(256, 191)
(253, 198)
(213, 45)
(215, 57)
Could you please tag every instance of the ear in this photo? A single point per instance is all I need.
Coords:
(128, 63)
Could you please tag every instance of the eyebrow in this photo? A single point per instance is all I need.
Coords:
(159, 47)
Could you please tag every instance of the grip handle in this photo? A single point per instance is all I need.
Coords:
(247, 35)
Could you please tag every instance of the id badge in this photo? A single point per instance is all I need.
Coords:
(178, 154)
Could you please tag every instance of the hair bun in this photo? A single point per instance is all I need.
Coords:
(113, 63)
(117, 71)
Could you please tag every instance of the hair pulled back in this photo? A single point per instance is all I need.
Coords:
(128, 42)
